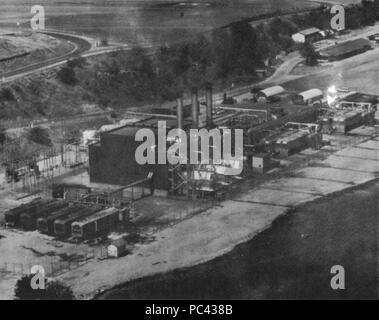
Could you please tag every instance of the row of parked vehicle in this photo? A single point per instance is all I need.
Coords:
(62, 219)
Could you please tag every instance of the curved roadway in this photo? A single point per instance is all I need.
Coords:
(82, 47)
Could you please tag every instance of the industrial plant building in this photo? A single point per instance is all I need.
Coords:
(83, 212)
(112, 160)
(352, 111)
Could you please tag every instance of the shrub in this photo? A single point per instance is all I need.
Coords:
(55, 290)
(40, 136)
(67, 76)
(7, 94)
(309, 53)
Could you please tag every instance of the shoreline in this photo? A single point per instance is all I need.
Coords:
(148, 279)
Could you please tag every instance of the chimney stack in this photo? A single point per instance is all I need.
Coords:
(179, 112)
(209, 100)
(195, 109)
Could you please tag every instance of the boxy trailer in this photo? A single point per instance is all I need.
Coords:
(28, 221)
(62, 227)
(96, 224)
(46, 224)
(13, 218)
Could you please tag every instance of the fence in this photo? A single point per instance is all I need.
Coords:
(54, 267)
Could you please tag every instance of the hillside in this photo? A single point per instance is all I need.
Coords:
(19, 49)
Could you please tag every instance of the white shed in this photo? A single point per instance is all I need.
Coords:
(309, 96)
(307, 35)
(270, 92)
(117, 248)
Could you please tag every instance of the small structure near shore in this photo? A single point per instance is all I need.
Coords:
(117, 248)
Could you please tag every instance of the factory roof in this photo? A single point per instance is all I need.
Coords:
(150, 123)
(272, 91)
(312, 93)
(345, 114)
(309, 31)
(291, 135)
(125, 131)
(362, 98)
(96, 216)
(119, 243)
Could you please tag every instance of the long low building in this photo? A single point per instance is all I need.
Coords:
(291, 141)
(345, 49)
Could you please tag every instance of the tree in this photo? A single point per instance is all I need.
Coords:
(67, 75)
(24, 291)
(244, 55)
(76, 63)
(308, 51)
(369, 13)
(55, 290)
(3, 135)
(7, 94)
(40, 135)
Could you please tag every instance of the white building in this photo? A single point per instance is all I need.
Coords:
(307, 35)
(117, 248)
(309, 97)
(268, 93)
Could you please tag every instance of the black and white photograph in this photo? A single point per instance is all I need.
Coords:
(202, 151)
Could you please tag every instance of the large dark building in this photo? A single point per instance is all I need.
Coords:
(112, 160)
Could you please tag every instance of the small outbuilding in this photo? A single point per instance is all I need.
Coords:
(308, 35)
(270, 93)
(262, 163)
(309, 97)
(117, 248)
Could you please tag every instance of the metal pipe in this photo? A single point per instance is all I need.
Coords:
(195, 109)
(209, 98)
(179, 112)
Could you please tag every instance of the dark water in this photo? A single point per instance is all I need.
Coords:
(291, 260)
(143, 22)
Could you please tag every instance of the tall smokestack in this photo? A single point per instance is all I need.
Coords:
(179, 112)
(209, 98)
(195, 109)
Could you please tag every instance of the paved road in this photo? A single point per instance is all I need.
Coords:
(82, 48)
